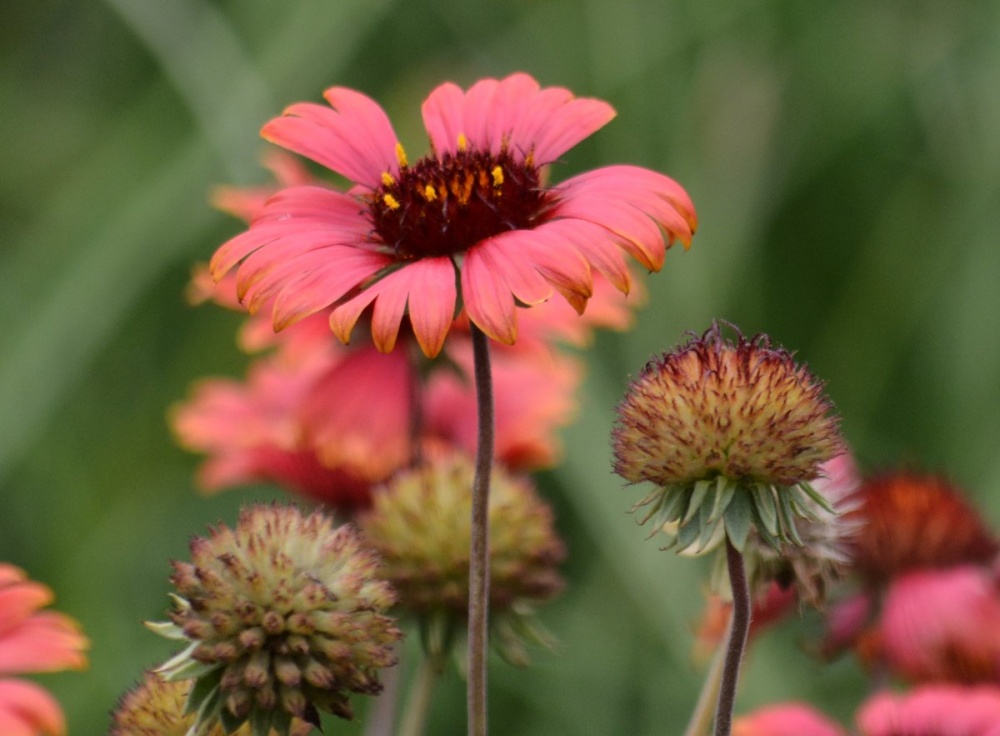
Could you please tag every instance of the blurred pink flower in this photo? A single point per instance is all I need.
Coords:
(933, 710)
(32, 640)
(327, 421)
(248, 202)
(942, 626)
(256, 430)
(468, 226)
(787, 719)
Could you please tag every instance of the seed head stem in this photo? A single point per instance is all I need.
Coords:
(739, 631)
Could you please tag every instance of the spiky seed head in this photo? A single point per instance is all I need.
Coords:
(283, 618)
(732, 432)
(420, 524)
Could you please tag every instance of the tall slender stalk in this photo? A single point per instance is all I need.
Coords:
(704, 710)
(381, 715)
(479, 571)
(739, 631)
(419, 701)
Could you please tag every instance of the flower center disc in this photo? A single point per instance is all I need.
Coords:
(443, 206)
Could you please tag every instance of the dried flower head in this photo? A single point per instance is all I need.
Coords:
(156, 707)
(916, 521)
(731, 432)
(420, 524)
(283, 615)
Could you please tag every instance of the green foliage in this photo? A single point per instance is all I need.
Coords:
(845, 165)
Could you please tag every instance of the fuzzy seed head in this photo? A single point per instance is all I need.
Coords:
(420, 524)
(713, 407)
(284, 613)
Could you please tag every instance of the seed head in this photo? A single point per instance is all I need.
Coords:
(726, 429)
(283, 618)
(420, 524)
(156, 707)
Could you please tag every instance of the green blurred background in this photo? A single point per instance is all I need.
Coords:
(845, 161)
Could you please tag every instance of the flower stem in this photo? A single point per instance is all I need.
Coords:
(704, 710)
(381, 714)
(419, 700)
(479, 572)
(738, 634)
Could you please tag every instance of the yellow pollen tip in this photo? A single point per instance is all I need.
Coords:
(497, 176)
(391, 202)
(387, 179)
(400, 154)
(429, 194)
(463, 142)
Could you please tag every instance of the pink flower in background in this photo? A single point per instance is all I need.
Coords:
(788, 719)
(942, 625)
(32, 640)
(469, 225)
(933, 710)
(327, 421)
(534, 394)
(248, 202)
(256, 430)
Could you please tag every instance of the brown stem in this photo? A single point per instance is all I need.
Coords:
(479, 572)
(739, 632)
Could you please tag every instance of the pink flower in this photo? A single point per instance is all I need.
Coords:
(789, 719)
(328, 422)
(257, 430)
(32, 640)
(942, 625)
(470, 225)
(933, 710)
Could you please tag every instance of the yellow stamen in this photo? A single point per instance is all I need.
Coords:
(391, 202)
(463, 142)
(400, 154)
(429, 194)
(387, 179)
(497, 176)
(529, 160)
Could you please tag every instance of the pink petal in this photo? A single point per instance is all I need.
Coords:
(46, 642)
(28, 710)
(444, 117)
(18, 601)
(325, 284)
(432, 302)
(504, 254)
(487, 297)
(571, 123)
(511, 103)
(390, 305)
(478, 112)
(344, 316)
(427, 286)
(295, 211)
(355, 140)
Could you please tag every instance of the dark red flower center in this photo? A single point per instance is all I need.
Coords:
(441, 206)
